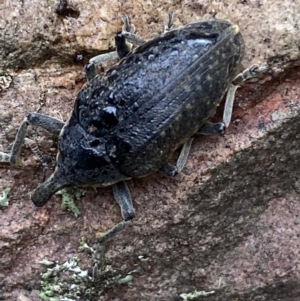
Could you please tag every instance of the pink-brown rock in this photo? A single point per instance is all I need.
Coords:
(228, 223)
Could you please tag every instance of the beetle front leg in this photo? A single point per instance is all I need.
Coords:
(50, 124)
(35, 149)
(100, 249)
(123, 197)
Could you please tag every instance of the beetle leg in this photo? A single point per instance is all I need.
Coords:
(34, 148)
(91, 67)
(128, 31)
(248, 73)
(99, 253)
(210, 128)
(184, 155)
(127, 27)
(123, 197)
(97, 261)
(229, 105)
(122, 48)
(169, 169)
(172, 170)
(251, 72)
(50, 124)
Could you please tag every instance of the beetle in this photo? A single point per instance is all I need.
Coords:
(128, 121)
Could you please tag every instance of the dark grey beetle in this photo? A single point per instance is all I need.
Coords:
(128, 121)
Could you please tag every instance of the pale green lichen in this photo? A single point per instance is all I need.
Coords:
(195, 294)
(4, 197)
(68, 282)
(127, 279)
(56, 289)
(84, 246)
(69, 199)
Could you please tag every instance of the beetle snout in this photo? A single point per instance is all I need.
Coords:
(45, 190)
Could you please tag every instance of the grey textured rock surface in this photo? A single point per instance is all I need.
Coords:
(227, 226)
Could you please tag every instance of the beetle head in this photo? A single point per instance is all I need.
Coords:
(82, 160)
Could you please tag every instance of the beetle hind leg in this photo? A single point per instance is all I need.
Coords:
(251, 72)
(207, 129)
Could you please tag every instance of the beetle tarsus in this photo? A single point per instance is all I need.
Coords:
(251, 72)
(210, 128)
(34, 148)
(97, 261)
(169, 26)
(169, 169)
(127, 27)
